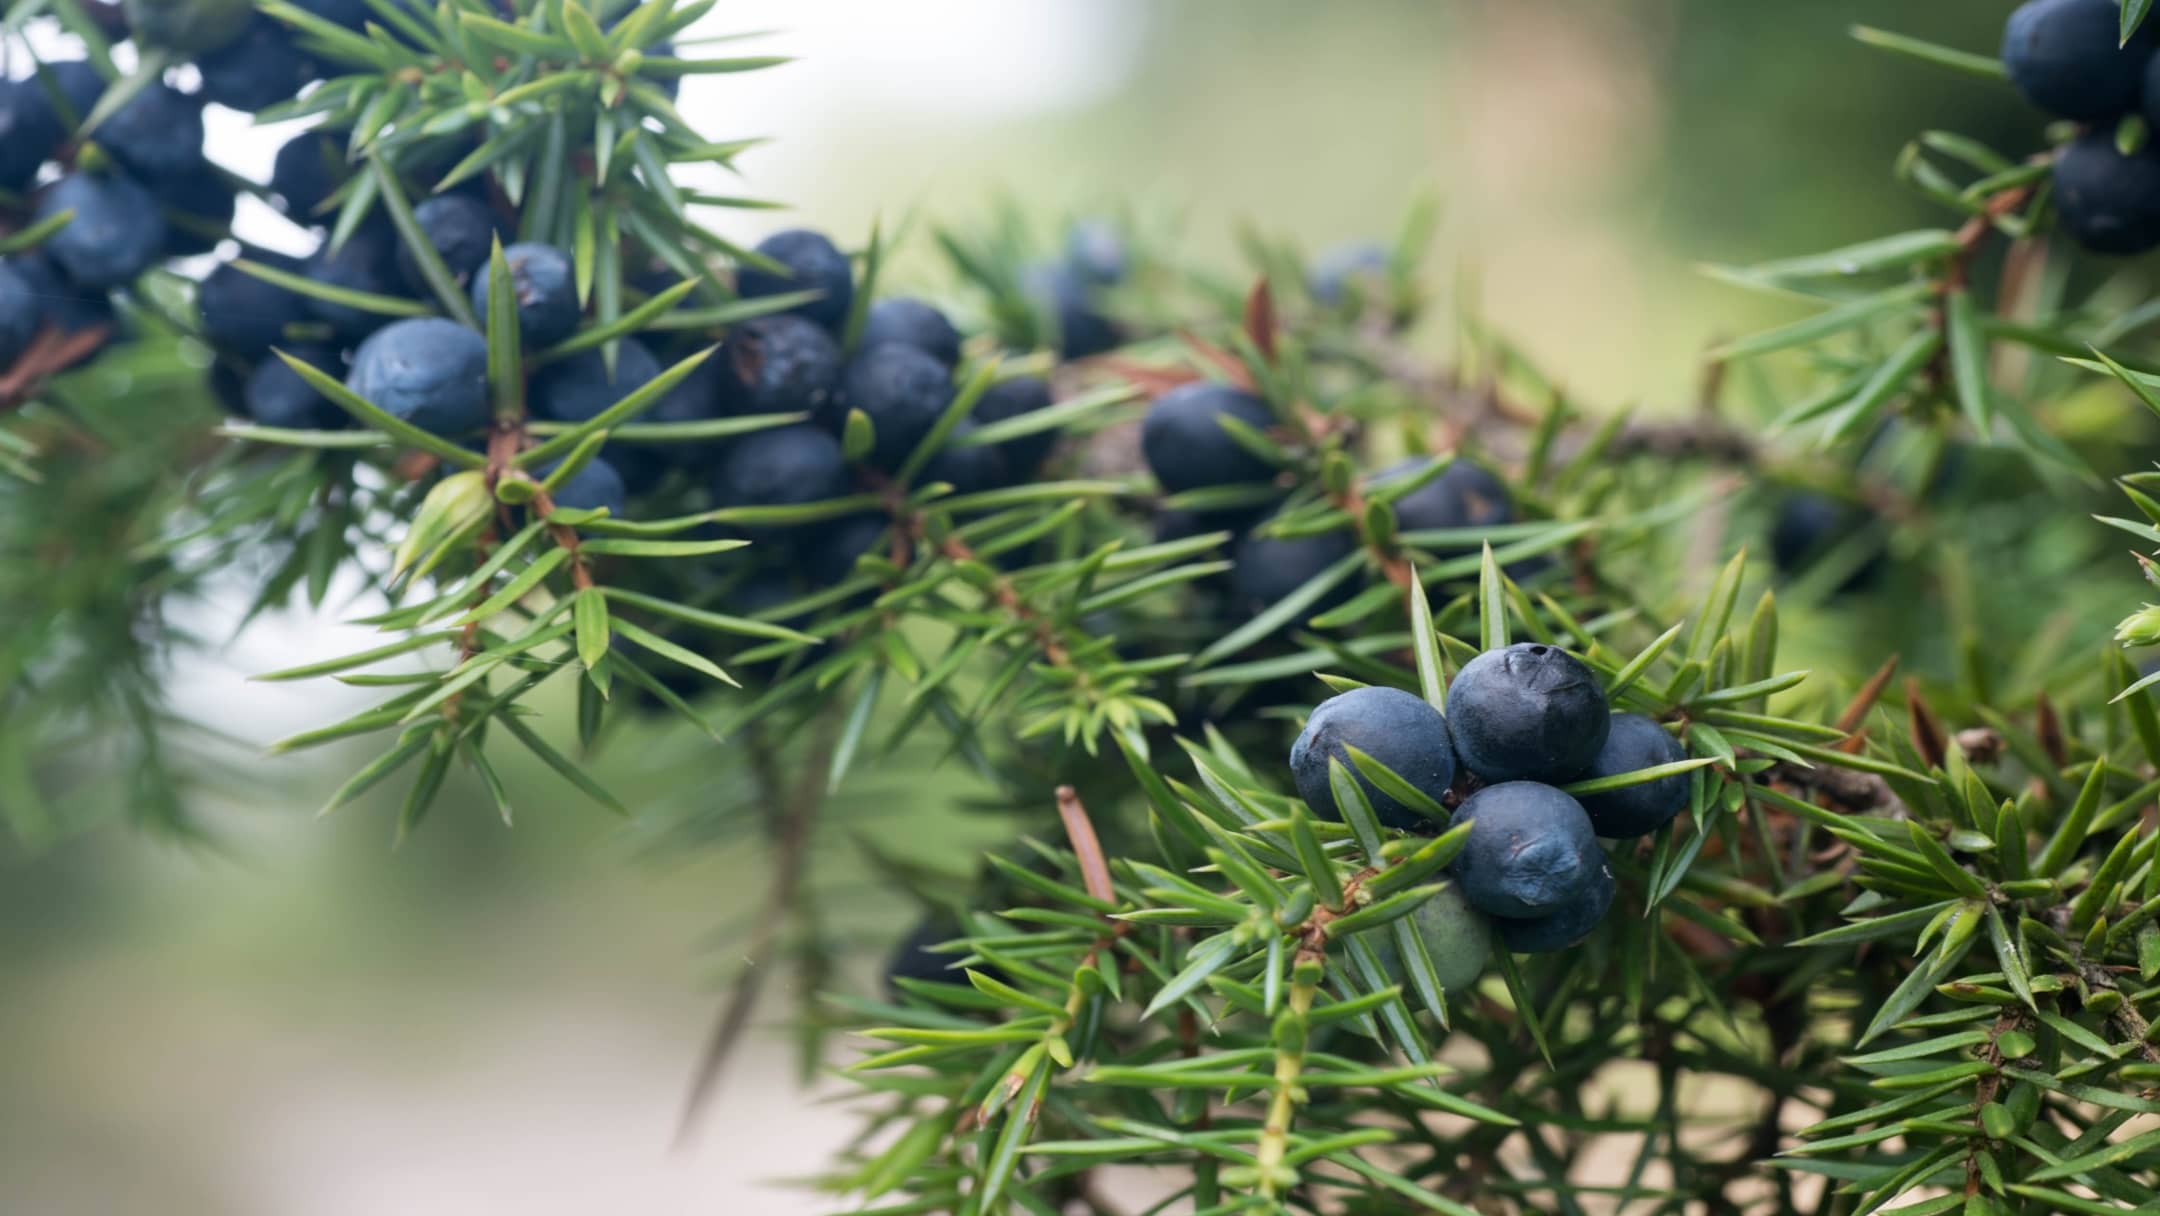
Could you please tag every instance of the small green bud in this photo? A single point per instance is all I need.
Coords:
(2015, 1044)
(857, 436)
(2131, 135)
(516, 490)
(1997, 1121)
(457, 506)
(2096, 937)
(1380, 524)
(1337, 472)
(2140, 628)
(1296, 908)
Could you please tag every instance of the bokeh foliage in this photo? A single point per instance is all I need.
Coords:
(1914, 925)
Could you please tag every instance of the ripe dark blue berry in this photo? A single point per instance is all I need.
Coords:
(2149, 92)
(761, 596)
(61, 304)
(1811, 526)
(1462, 495)
(697, 397)
(783, 467)
(782, 364)
(1356, 271)
(462, 230)
(641, 466)
(911, 322)
(1531, 851)
(199, 210)
(968, 469)
(809, 262)
(1011, 399)
(275, 395)
(544, 283)
(1564, 928)
(367, 262)
(1527, 712)
(29, 132)
(2066, 57)
(903, 391)
(829, 552)
(257, 70)
(1186, 445)
(1095, 250)
(578, 387)
(595, 486)
(308, 170)
(1635, 743)
(20, 316)
(1173, 523)
(1063, 300)
(78, 85)
(157, 134)
(227, 382)
(1395, 728)
(244, 315)
(670, 85)
(429, 371)
(33, 124)
(117, 231)
(914, 958)
(2109, 203)
(1268, 568)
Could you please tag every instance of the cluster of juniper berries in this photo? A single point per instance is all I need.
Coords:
(1522, 721)
(2069, 58)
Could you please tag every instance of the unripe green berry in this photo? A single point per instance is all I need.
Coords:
(1457, 938)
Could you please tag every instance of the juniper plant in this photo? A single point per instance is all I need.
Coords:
(1103, 557)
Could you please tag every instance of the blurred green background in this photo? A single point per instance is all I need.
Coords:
(295, 1018)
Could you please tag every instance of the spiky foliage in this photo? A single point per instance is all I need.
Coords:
(1897, 954)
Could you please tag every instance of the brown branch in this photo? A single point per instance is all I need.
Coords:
(795, 827)
(49, 353)
(1001, 590)
(1849, 788)
(1975, 230)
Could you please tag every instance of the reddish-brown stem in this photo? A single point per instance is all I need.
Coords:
(49, 353)
(1094, 867)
